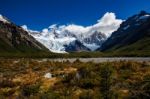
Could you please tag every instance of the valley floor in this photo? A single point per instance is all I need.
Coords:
(75, 78)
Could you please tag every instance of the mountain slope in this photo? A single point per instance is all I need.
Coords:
(61, 41)
(14, 39)
(133, 36)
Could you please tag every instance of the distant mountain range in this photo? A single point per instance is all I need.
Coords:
(66, 41)
(130, 36)
(60, 38)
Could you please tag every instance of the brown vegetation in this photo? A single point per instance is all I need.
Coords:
(24, 78)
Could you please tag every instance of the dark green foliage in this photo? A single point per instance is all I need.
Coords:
(6, 83)
(49, 95)
(106, 80)
(28, 90)
(68, 78)
(87, 83)
(86, 95)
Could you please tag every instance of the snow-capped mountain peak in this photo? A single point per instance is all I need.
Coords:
(59, 38)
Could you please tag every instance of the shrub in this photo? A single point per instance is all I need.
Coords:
(49, 95)
(86, 95)
(67, 78)
(28, 90)
(86, 83)
(106, 80)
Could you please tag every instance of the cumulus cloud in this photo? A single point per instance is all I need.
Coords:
(76, 28)
(45, 30)
(108, 19)
(107, 24)
(52, 26)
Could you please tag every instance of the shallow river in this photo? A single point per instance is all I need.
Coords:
(98, 60)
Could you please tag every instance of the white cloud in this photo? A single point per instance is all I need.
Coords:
(76, 28)
(52, 26)
(62, 26)
(108, 19)
(45, 30)
(107, 24)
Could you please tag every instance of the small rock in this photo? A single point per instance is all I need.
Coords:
(48, 75)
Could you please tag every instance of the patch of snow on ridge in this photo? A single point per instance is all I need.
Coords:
(92, 47)
(28, 30)
(3, 19)
(126, 27)
(144, 17)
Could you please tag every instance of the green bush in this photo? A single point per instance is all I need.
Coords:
(106, 80)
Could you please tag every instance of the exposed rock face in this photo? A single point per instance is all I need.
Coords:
(76, 46)
(14, 38)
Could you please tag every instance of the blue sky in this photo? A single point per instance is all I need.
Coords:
(38, 14)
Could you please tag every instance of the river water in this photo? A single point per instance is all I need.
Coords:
(99, 60)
